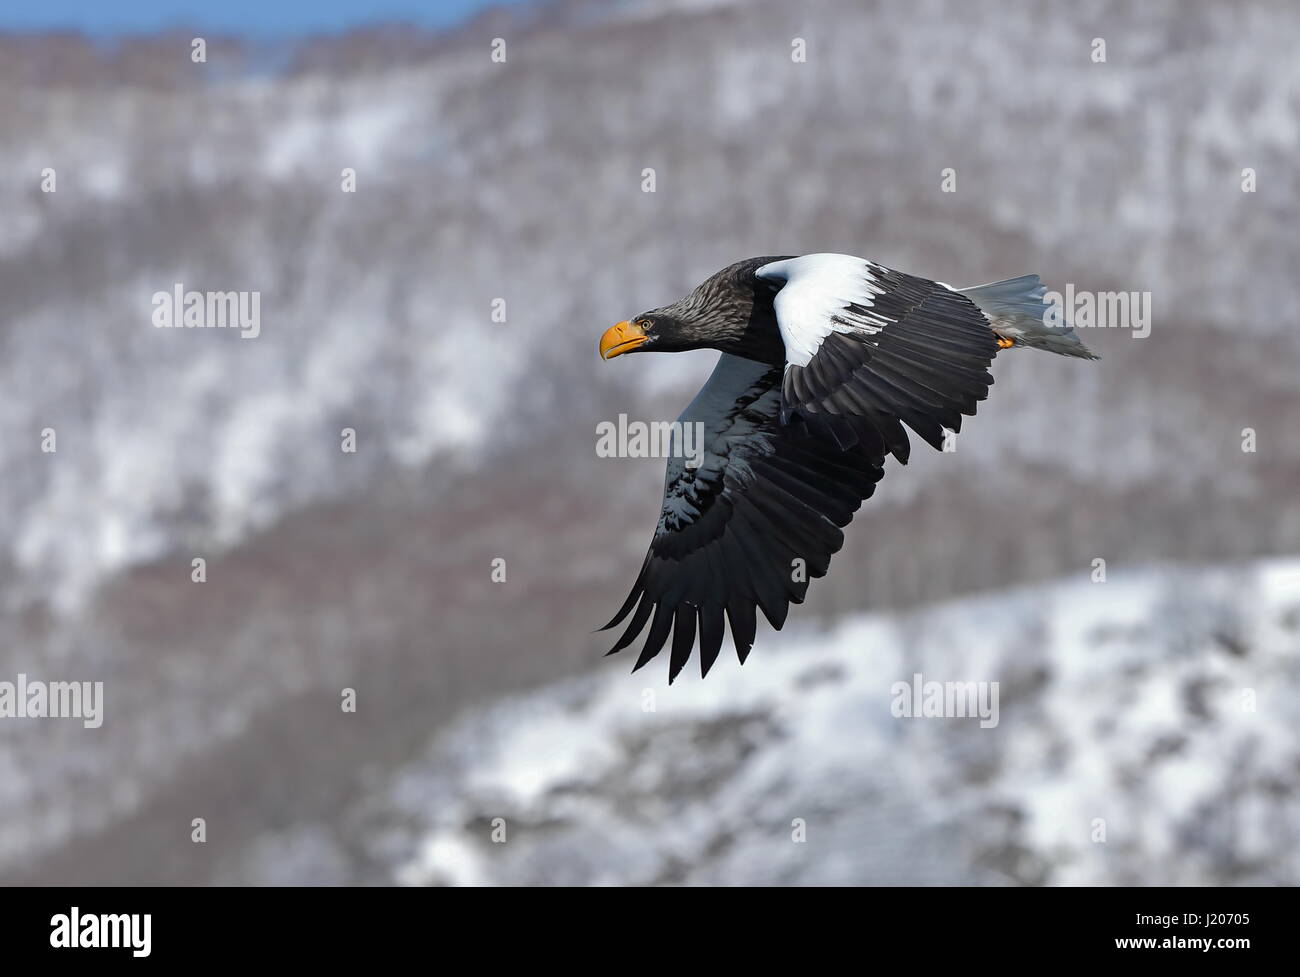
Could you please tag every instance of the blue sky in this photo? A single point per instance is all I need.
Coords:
(263, 18)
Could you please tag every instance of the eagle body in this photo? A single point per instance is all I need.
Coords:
(827, 361)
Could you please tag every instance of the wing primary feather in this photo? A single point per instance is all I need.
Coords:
(659, 628)
(637, 589)
(634, 627)
(740, 615)
(683, 640)
(711, 634)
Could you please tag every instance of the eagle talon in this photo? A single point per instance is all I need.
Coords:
(1004, 343)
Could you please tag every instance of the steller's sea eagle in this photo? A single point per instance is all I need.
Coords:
(824, 358)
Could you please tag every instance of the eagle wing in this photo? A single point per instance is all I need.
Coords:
(869, 349)
(748, 527)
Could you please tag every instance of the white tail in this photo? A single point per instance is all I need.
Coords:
(1015, 308)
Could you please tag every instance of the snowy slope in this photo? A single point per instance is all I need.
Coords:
(1123, 701)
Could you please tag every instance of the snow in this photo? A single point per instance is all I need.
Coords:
(702, 782)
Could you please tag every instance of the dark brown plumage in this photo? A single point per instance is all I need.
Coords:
(827, 361)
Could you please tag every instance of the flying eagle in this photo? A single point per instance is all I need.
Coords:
(825, 358)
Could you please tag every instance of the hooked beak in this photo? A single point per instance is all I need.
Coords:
(622, 337)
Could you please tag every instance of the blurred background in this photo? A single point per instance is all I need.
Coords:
(1159, 704)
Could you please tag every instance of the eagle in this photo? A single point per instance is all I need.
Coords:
(827, 361)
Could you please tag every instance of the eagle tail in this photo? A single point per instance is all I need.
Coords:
(1016, 310)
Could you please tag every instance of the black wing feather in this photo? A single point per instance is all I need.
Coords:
(731, 529)
(918, 354)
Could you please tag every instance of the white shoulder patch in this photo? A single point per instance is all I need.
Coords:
(818, 289)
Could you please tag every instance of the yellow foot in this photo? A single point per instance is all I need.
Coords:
(1004, 343)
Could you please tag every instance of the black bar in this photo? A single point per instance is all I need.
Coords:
(369, 925)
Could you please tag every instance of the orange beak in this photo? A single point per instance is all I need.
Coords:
(622, 337)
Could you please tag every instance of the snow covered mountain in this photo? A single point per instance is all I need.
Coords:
(1146, 735)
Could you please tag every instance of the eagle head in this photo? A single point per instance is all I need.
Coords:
(655, 331)
(731, 311)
